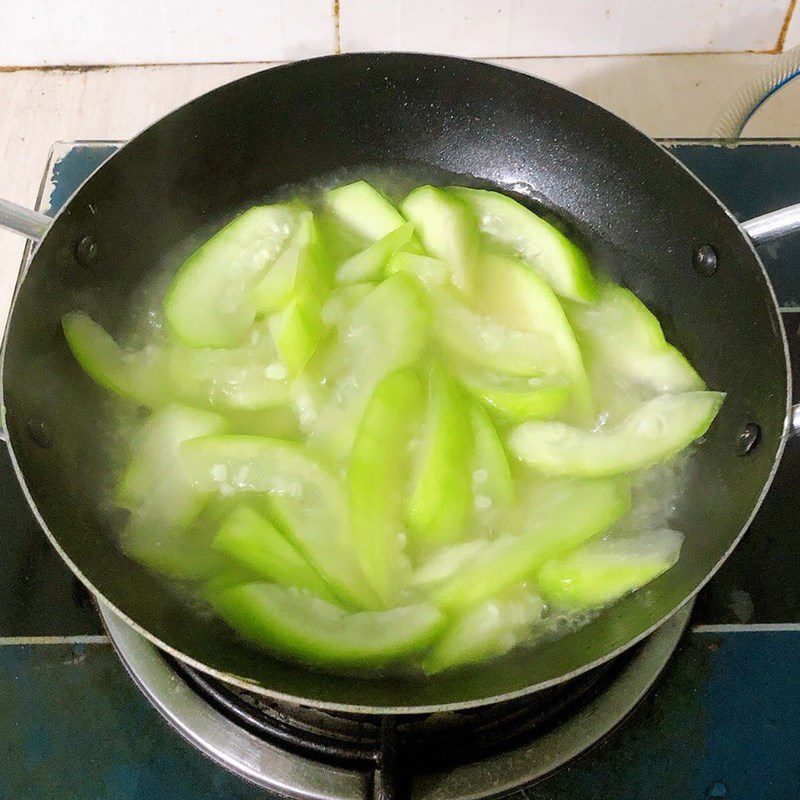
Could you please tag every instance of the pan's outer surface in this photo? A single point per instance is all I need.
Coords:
(640, 214)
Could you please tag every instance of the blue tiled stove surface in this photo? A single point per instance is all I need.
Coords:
(723, 720)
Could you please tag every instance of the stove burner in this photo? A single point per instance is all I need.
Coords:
(431, 740)
(386, 745)
(304, 752)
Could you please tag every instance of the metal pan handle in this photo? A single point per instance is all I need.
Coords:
(773, 225)
(31, 224)
(19, 219)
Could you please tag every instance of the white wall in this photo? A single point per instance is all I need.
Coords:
(110, 32)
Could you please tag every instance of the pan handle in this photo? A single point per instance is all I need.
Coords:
(19, 219)
(773, 225)
(764, 229)
(31, 224)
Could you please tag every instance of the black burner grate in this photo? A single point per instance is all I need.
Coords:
(429, 740)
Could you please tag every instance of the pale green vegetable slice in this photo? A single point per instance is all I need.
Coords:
(279, 422)
(601, 572)
(309, 503)
(430, 272)
(250, 377)
(626, 340)
(296, 331)
(657, 430)
(342, 301)
(490, 629)
(479, 340)
(140, 375)
(492, 484)
(253, 543)
(161, 498)
(364, 210)
(368, 264)
(320, 633)
(384, 333)
(516, 398)
(558, 516)
(521, 300)
(448, 231)
(557, 259)
(444, 563)
(378, 475)
(441, 491)
(209, 303)
(301, 270)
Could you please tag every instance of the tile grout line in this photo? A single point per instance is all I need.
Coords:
(785, 27)
(80, 639)
(337, 32)
(337, 50)
(755, 627)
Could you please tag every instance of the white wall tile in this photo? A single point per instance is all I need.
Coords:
(69, 32)
(495, 28)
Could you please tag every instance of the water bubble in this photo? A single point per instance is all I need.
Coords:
(480, 475)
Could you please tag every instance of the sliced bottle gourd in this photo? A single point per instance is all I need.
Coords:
(298, 626)
(162, 500)
(384, 333)
(520, 300)
(448, 231)
(250, 377)
(368, 265)
(626, 340)
(378, 475)
(441, 493)
(363, 209)
(430, 272)
(342, 301)
(301, 270)
(516, 398)
(538, 243)
(296, 331)
(293, 291)
(209, 303)
(446, 562)
(309, 504)
(557, 517)
(140, 376)
(492, 484)
(600, 572)
(470, 337)
(657, 430)
(486, 631)
(254, 544)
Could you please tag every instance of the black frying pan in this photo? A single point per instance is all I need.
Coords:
(640, 214)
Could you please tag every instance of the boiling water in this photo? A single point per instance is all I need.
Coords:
(655, 491)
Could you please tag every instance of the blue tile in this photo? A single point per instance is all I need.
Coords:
(71, 170)
(722, 722)
(74, 727)
(753, 738)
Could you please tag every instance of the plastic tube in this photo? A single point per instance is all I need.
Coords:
(742, 105)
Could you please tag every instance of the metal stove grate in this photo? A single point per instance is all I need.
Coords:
(388, 744)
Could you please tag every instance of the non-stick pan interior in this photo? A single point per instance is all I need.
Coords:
(639, 213)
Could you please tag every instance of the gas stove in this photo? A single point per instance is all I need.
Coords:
(706, 707)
